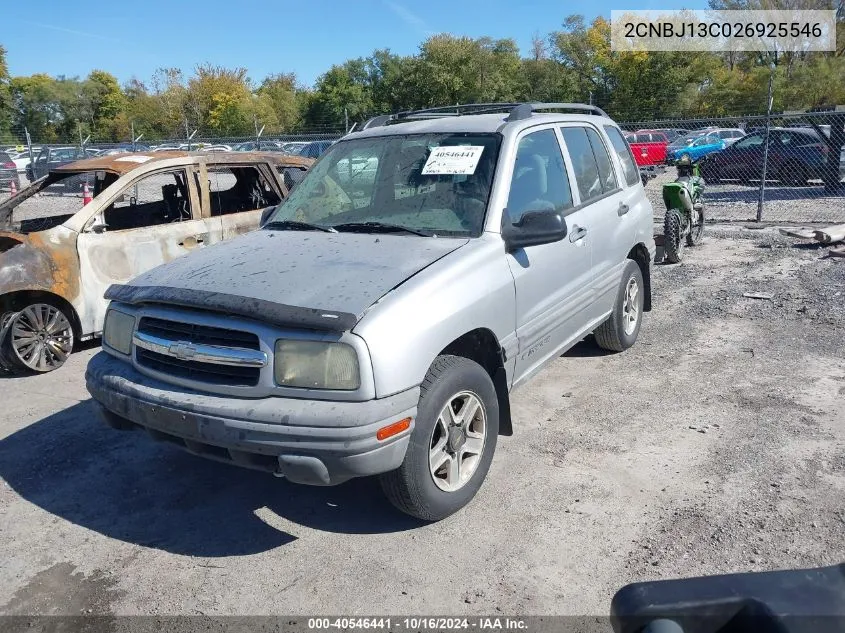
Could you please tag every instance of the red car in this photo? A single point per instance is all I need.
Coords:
(648, 146)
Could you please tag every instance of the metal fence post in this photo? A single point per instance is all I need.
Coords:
(29, 149)
(762, 196)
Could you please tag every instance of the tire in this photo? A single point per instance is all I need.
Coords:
(619, 332)
(696, 231)
(673, 245)
(414, 488)
(51, 333)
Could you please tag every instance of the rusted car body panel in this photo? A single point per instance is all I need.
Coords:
(77, 260)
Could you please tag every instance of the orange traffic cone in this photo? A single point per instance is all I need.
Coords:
(86, 194)
(13, 188)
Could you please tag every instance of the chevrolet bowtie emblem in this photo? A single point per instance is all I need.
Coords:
(182, 350)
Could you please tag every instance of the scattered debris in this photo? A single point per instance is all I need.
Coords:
(837, 252)
(831, 234)
(802, 233)
(756, 295)
(749, 350)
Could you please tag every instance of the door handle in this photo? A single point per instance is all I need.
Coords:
(623, 208)
(577, 233)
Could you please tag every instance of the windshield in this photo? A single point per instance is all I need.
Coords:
(396, 180)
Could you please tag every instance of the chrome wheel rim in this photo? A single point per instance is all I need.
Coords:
(457, 441)
(631, 306)
(42, 337)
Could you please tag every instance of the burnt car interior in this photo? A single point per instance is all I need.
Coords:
(55, 185)
(236, 189)
(159, 198)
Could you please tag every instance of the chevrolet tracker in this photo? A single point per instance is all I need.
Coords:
(424, 267)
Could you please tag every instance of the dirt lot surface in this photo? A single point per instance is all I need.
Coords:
(716, 444)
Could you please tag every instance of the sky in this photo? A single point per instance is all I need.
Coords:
(133, 40)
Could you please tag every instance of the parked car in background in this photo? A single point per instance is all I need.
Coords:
(293, 147)
(315, 149)
(648, 147)
(8, 173)
(147, 209)
(123, 149)
(730, 135)
(21, 160)
(376, 325)
(256, 146)
(695, 147)
(217, 148)
(674, 132)
(795, 156)
(50, 158)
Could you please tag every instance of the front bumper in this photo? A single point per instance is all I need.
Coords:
(307, 441)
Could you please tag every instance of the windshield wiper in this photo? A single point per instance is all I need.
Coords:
(379, 227)
(294, 225)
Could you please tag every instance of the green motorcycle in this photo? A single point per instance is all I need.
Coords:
(684, 219)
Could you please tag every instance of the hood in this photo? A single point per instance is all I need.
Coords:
(297, 271)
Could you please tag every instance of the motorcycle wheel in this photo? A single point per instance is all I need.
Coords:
(673, 244)
(696, 231)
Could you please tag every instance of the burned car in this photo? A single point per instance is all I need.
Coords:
(59, 252)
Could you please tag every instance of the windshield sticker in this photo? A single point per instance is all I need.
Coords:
(452, 160)
(132, 159)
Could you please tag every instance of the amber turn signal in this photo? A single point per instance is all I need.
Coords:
(393, 429)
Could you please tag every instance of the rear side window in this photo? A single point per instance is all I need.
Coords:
(593, 171)
(629, 167)
(539, 178)
(608, 177)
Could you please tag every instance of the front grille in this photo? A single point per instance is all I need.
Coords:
(199, 334)
(187, 369)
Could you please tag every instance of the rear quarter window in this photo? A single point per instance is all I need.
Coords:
(623, 152)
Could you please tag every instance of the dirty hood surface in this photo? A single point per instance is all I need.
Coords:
(337, 272)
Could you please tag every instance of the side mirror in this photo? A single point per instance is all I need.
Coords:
(534, 228)
(265, 215)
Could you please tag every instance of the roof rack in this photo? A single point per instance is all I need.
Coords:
(516, 112)
(525, 110)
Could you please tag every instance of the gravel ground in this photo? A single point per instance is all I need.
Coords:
(734, 201)
(714, 445)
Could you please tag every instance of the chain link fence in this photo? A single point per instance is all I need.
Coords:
(788, 167)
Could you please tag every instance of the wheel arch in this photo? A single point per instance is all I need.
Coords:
(19, 298)
(482, 346)
(640, 255)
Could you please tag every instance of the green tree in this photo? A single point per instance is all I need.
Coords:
(281, 94)
(108, 106)
(6, 107)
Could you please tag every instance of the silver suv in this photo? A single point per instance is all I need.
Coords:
(375, 325)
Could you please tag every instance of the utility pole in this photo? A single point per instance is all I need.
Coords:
(346, 120)
(132, 126)
(761, 197)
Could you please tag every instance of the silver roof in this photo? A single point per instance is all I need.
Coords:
(474, 123)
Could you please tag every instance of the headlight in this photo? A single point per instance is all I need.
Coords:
(316, 365)
(117, 331)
